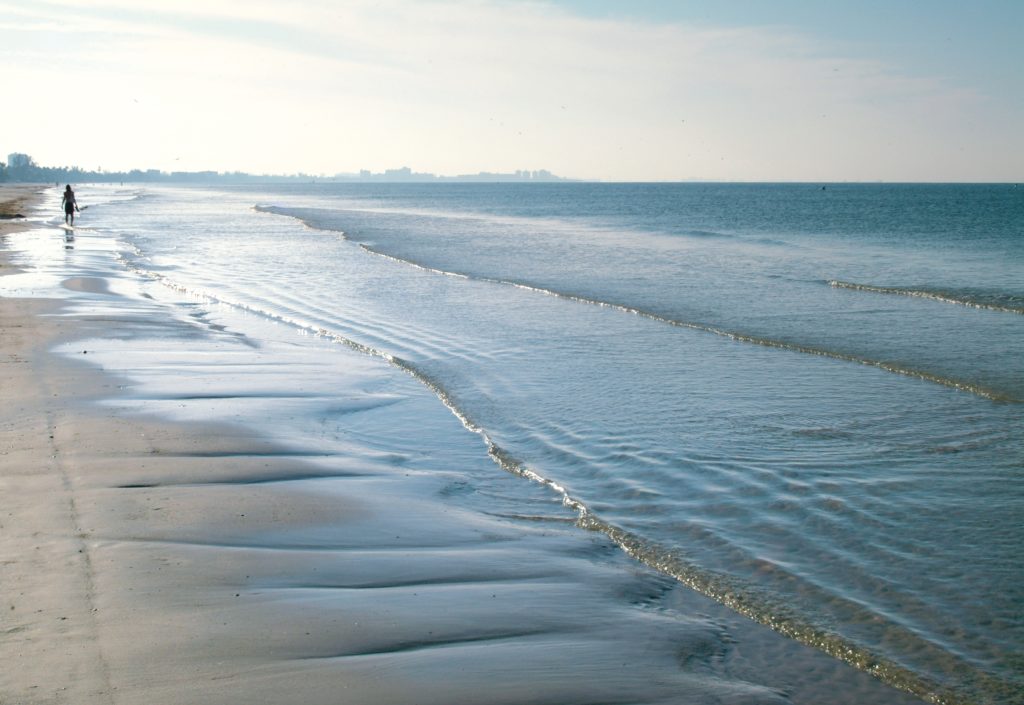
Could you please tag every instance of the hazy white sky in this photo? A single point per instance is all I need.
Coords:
(642, 90)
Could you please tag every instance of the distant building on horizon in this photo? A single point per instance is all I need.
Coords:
(22, 168)
(17, 160)
(405, 174)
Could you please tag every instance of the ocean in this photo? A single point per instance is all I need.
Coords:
(805, 402)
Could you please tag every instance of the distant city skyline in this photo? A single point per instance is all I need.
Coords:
(21, 167)
(651, 90)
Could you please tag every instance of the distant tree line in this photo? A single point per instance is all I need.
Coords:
(27, 171)
(31, 172)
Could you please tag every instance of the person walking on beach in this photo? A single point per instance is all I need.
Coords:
(70, 206)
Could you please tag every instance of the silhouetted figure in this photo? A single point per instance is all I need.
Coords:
(70, 206)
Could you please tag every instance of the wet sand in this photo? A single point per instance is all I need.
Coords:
(15, 201)
(155, 561)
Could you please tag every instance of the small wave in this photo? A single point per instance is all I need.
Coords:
(711, 234)
(763, 609)
(894, 368)
(714, 235)
(960, 385)
(99, 200)
(1004, 303)
(134, 196)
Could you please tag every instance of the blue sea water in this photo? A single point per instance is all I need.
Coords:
(806, 403)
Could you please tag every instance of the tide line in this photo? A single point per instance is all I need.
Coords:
(943, 297)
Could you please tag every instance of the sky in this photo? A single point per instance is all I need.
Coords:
(637, 90)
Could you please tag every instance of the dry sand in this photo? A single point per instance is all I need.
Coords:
(144, 561)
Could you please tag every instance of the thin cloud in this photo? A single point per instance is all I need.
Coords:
(455, 87)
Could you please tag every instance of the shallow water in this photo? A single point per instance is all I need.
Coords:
(803, 403)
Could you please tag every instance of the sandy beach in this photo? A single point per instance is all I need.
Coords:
(155, 561)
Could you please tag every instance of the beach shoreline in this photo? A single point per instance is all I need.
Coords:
(14, 200)
(158, 561)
